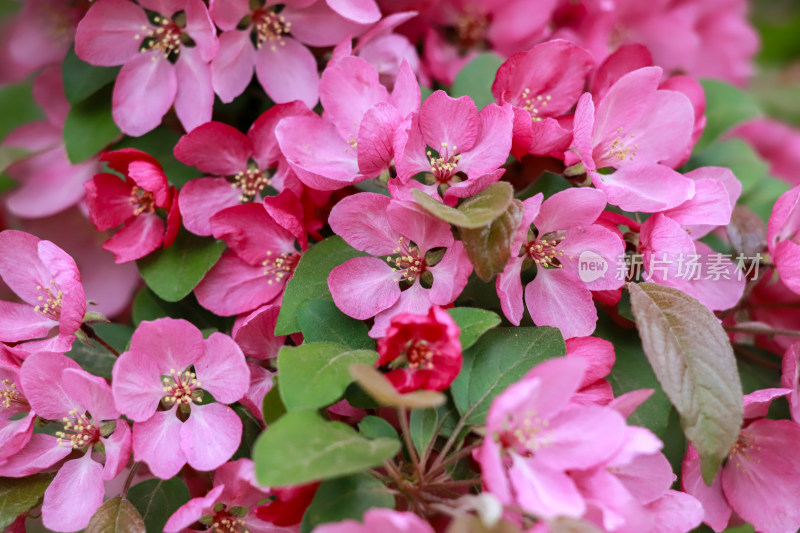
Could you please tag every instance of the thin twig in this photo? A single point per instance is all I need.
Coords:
(402, 414)
(92, 334)
(463, 452)
(129, 479)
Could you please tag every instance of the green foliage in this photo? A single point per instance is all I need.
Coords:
(424, 422)
(17, 107)
(310, 280)
(476, 77)
(117, 515)
(489, 248)
(148, 306)
(692, 358)
(375, 427)
(473, 323)
(501, 357)
(251, 429)
(173, 272)
(82, 80)
(316, 374)
(302, 447)
(89, 127)
(726, 106)
(345, 497)
(321, 321)
(473, 213)
(272, 408)
(96, 359)
(157, 499)
(20, 495)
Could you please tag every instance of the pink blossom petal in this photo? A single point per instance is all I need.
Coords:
(410, 151)
(349, 89)
(647, 476)
(789, 378)
(19, 322)
(597, 353)
(190, 512)
(210, 436)
(107, 34)
(171, 343)
(509, 290)
(675, 511)
(136, 385)
(232, 68)
(363, 286)
(625, 103)
(15, 431)
(227, 14)
(710, 206)
(361, 11)
(318, 25)
(493, 142)
(261, 382)
(361, 220)
(626, 58)
(593, 243)
(215, 148)
(570, 208)
(74, 495)
(91, 393)
(262, 132)
(41, 452)
(376, 139)
(157, 442)
(471, 187)
(222, 370)
(447, 122)
(145, 90)
(547, 137)
(544, 491)
(414, 300)
(717, 510)
(406, 93)
(44, 386)
(721, 285)
(450, 275)
(194, 98)
(201, 29)
(288, 72)
(202, 198)
(117, 450)
(418, 226)
(555, 298)
(233, 286)
(108, 198)
(137, 239)
(20, 265)
(255, 333)
(644, 187)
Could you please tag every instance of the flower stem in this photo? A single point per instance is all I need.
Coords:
(402, 414)
(129, 479)
(92, 334)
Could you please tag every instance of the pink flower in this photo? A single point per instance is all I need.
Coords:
(229, 503)
(790, 378)
(635, 128)
(783, 238)
(422, 351)
(777, 143)
(16, 415)
(402, 232)
(47, 280)
(288, 506)
(450, 137)
(383, 520)
(133, 202)
(163, 62)
(60, 390)
(760, 481)
(237, 164)
(169, 364)
(261, 257)
(566, 235)
(599, 357)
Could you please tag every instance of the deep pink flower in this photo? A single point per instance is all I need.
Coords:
(411, 281)
(133, 202)
(422, 351)
(790, 378)
(261, 257)
(288, 506)
(783, 238)
(450, 137)
(599, 357)
(169, 364)
(238, 166)
(760, 481)
(566, 236)
(383, 520)
(634, 129)
(60, 390)
(163, 62)
(48, 282)
(229, 503)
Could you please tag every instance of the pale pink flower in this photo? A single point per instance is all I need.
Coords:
(383, 520)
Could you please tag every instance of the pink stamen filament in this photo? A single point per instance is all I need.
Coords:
(79, 431)
(181, 388)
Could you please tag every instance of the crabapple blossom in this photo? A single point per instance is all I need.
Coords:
(422, 351)
(160, 383)
(16, 415)
(383, 520)
(783, 238)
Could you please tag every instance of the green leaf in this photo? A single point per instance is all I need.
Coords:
(476, 77)
(473, 323)
(489, 248)
(81, 80)
(158, 499)
(89, 127)
(20, 495)
(475, 212)
(375, 427)
(251, 429)
(423, 423)
(345, 497)
(96, 359)
(302, 447)
(499, 358)
(159, 143)
(310, 280)
(17, 107)
(726, 106)
(317, 374)
(172, 273)
(272, 408)
(148, 306)
(116, 516)
(736, 155)
(321, 321)
(693, 360)
(10, 155)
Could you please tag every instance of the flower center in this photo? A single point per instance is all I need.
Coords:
(9, 395)
(526, 434)
(251, 182)
(741, 451)
(164, 37)
(145, 201)
(270, 27)
(543, 252)
(181, 388)
(534, 104)
(445, 164)
(79, 431)
(277, 267)
(51, 300)
(623, 148)
(420, 355)
(224, 522)
(471, 28)
(409, 265)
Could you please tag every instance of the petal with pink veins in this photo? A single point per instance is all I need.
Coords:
(137, 239)
(222, 370)
(233, 286)
(254, 333)
(42, 380)
(157, 442)
(145, 90)
(645, 187)
(215, 148)
(194, 97)
(111, 33)
(91, 393)
(201, 29)
(717, 511)
(363, 286)
(74, 495)
(210, 436)
(556, 298)
(450, 124)
(288, 71)
(361, 11)
(418, 226)
(493, 142)
(376, 139)
(136, 385)
(318, 25)
(262, 132)
(171, 343)
(414, 300)
(509, 290)
(117, 450)
(19, 322)
(570, 208)
(227, 14)
(20, 265)
(190, 512)
(232, 68)
(347, 90)
(202, 198)
(544, 491)
(41, 452)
